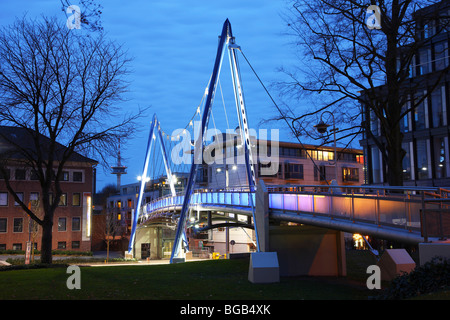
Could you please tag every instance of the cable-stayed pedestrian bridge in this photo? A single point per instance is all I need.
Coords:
(406, 215)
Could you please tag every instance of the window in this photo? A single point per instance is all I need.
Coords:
(406, 162)
(293, 171)
(319, 173)
(8, 174)
(440, 56)
(34, 175)
(3, 198)
(428, 29)
(20, 174)
(2, 246)
(419, 113)
(76, 199)
(63, 200)
(65, 176)
(34, 198)
(424, 63)
(76, 224)
(77, 176)
(376, 165)
(61, 244)
(373, 123)
(350, 174)
(437, 110)
(75, 244)
(61, 224)
(20, 196)
(404, 123)
(422, 159)
(18, 225)
(3, 225)
(17, 246)
(439, 157)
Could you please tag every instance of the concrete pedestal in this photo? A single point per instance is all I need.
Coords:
(264, 268)
(178, 260)
(394, 262)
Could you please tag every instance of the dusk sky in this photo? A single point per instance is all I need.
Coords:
(173, 44)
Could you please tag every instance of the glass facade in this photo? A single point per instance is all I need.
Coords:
(424, 127)
(422, 159)
(419, 113)
(406, 162)
(437, 108)
(439, 157)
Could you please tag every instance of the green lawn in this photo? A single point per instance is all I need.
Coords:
(205, 280)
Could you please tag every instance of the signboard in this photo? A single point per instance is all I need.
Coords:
(28, 253)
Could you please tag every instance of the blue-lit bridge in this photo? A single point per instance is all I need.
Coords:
(391, 213)
(407, 215)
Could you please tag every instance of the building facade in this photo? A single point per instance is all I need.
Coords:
(72, 224)
(276, 163)
(425, 129)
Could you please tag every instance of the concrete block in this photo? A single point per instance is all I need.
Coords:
(128, 255)
(427, 251)
(394, 262)
(178, 260)
(264, 267)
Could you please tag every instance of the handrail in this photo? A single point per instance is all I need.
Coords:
(354, 187)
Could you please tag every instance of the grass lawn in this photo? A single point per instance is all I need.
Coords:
(204, 280)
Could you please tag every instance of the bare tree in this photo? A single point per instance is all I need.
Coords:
(62, 88)
(114, 227)
(349, 67)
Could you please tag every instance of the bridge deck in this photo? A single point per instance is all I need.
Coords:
(390, 213)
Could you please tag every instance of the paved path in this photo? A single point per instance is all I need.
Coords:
(97, 255)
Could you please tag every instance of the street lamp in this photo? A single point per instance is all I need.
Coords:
(322, 127)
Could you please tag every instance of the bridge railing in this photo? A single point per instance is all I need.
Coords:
(401, 207)
(393, 206)
(237, 196)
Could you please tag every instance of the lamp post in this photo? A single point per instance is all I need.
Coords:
(322, 127)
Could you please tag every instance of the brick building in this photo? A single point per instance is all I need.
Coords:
(72, 219)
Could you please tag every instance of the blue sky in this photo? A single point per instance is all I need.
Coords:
(173, 43)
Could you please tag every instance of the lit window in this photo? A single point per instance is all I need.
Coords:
(61, 224)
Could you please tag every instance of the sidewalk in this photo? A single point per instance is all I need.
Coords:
(95, 255)
(100, 259)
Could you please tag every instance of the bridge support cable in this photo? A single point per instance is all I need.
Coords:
(154, 126)
(224, 41)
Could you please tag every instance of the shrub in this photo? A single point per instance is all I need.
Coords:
(430, 277)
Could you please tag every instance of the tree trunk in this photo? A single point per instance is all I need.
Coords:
(46, 246)
(395, 158)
